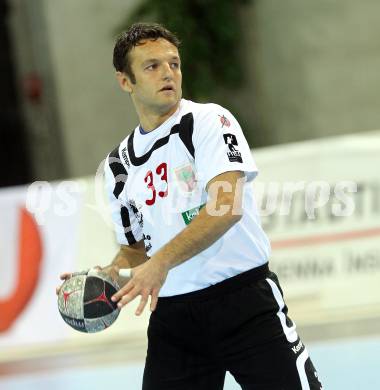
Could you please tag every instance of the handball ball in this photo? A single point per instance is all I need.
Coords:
(84, 301)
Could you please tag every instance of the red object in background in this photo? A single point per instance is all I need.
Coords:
(33, 87)
(29, 262)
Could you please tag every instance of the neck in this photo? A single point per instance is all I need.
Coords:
(150, 120)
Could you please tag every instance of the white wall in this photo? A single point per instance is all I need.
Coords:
(312, 68)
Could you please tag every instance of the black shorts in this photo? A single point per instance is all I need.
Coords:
(239, 325)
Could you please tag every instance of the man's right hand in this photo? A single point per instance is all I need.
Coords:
(64, 276)
(111, 270)
(67, 275)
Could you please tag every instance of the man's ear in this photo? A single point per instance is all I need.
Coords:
(124, 82)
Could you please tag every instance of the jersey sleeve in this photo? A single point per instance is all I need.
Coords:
(220, 146)
(126, 224)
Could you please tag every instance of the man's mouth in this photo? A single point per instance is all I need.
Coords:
(167, 88)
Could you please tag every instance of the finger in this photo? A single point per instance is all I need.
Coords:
(154, 300)
(66, 275)
(59, 288)
(128, 297)
(124, 290)
(143, 302)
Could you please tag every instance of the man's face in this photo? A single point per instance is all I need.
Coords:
(157, 69)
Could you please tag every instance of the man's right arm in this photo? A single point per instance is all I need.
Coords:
(129, 256)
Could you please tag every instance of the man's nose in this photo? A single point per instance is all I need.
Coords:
(167, 72)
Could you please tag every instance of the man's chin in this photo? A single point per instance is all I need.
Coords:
(168, 96)
(169, 102)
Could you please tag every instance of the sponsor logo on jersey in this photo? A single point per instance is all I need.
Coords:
(125, 157)
(138, 214)
(297, 347)
(189, 215)
(186, 178)
(233, 154)
(224, 121)
(147, 243)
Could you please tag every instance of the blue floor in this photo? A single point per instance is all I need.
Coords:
(342, 365)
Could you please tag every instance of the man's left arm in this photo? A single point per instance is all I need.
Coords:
(221, 212)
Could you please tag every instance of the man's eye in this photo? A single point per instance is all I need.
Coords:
(175, 65)
(151, 67)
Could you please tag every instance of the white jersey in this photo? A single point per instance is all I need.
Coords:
(157, 184)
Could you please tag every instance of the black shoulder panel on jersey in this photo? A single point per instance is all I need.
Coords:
(127, 225)
(119, 172)
(185, 131)
(186, 128)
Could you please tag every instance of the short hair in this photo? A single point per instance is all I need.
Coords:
(130, 38)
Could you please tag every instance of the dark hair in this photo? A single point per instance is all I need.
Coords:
(127, 40)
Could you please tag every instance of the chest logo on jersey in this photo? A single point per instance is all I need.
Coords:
(233, 154)
(186, 178)
(224, 121)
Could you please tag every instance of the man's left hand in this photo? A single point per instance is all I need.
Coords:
(147, 280)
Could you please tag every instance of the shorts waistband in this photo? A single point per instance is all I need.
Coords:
(223, 287)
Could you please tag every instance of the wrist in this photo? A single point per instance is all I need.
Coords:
(162, 262)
